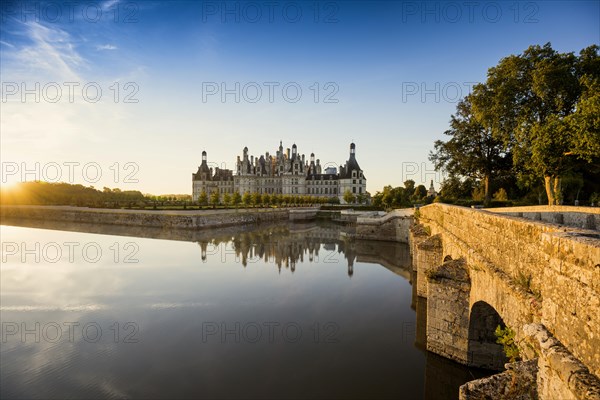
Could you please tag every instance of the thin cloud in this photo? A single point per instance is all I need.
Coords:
(7, 44)
(51, 54)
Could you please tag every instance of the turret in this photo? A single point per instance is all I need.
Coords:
(352, 150)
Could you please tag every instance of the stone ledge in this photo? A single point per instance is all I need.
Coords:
(453, 270)
(578, 379)
(517, 383)
(432, 243)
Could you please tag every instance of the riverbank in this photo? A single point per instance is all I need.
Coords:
(172, 219)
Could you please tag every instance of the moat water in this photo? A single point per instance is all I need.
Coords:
(284, 311)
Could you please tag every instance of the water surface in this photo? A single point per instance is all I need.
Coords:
(284, 311)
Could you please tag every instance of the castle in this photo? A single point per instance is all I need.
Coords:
(285, 173)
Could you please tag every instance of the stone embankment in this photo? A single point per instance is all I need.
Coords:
(393, 226)
(177, 219)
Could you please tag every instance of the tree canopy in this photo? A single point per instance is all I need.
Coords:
(537, 116)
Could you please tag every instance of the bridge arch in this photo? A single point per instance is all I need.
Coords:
(483, 351)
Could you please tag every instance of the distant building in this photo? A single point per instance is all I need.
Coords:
(285, 173)
(431, 192)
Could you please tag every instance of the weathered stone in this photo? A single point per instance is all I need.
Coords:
(518, 382)
(394, 226)
(428, 256)
(561, 375)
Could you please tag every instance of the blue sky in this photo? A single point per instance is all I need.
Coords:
(371, 62)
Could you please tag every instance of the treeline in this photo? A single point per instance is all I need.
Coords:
(529, 134)
(65, 194)
(44, 193)
(401, 197)
(257, 199)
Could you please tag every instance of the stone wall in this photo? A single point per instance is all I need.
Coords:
(428, 256)
(393, 226)
(448, 310)
(158, 219)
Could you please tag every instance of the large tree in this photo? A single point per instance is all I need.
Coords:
(529, 101)
(473, 150)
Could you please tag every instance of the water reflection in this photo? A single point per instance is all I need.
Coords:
(274, 311)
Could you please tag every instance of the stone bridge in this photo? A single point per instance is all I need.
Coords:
(479, 270)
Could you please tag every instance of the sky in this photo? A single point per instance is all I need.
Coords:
(128, 94)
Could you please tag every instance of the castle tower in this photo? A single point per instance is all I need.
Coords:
(351, 177)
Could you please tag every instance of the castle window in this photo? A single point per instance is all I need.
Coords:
(353, 189)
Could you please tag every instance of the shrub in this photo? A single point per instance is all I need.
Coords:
(506, 337)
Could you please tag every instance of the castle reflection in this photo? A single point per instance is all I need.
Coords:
(283, 244)
(287, 246)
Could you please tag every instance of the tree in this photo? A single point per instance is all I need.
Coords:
(203, 198)
(473, 150)
(236, 199)
(387, 196)
(419, 193)
(215, 198)
(529, 100)
(256, 198)
(349, 198)
(226, 199)
(360, 198)
(247, 199)
(584, 123)
(266, 199)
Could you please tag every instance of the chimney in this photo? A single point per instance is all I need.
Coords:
(288, 153)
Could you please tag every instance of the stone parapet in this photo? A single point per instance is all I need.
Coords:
(561, 375)
(574, 216)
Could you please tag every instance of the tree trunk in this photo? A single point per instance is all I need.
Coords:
(558, 195)
(488, 196)
(553, 189)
